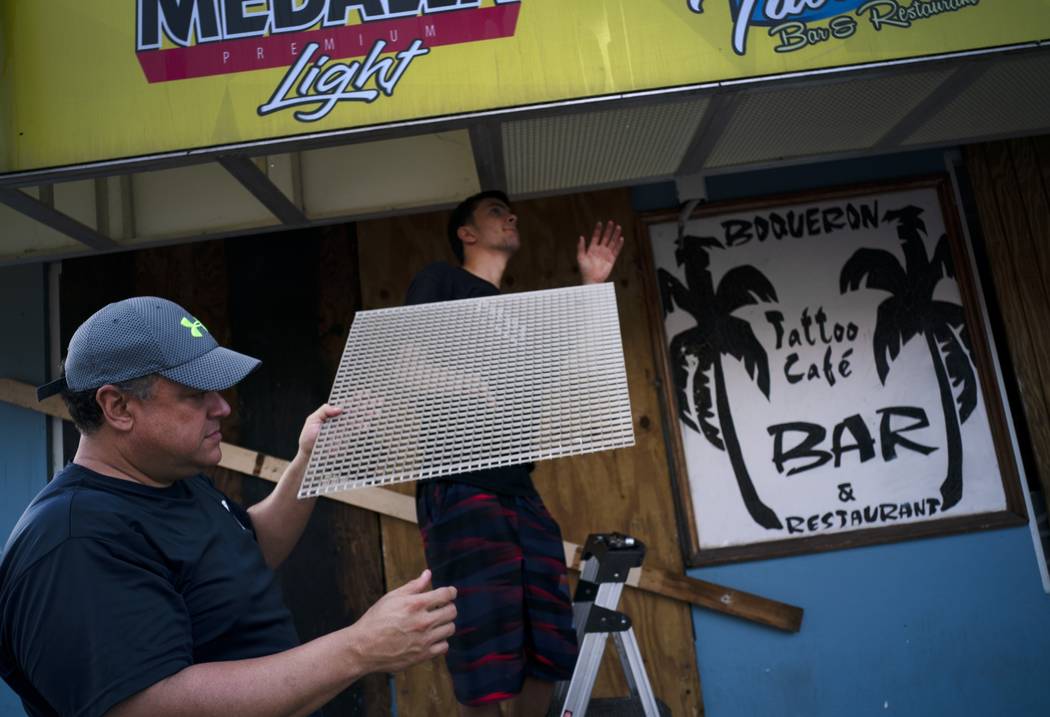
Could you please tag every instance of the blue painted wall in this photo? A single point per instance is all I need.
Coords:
(23, 433)
(954, 626)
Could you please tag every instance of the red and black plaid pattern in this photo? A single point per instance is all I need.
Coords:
(505, 557)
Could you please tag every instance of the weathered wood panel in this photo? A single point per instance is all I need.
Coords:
(1011, 183)
(279, 313)
(628, 490)
(391, 251)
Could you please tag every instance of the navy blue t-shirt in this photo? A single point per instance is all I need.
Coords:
(108, 586)
(444, 282)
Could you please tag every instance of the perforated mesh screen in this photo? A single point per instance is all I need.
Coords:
(445, 388)
(619, 145)
(1013, 96)
(848, 114)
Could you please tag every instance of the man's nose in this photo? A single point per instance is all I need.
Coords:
(219, 407)
(512, 218)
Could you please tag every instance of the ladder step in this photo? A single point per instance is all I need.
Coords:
(607, 560)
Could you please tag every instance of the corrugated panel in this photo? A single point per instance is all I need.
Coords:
(593, 148)
(1011, 97)
(805, 121)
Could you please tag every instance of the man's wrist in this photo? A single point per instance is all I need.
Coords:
(301, 459)
(356, 662)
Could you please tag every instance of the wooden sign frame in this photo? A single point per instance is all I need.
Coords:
(659, 290)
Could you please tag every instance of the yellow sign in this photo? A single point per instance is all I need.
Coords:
(88, 81)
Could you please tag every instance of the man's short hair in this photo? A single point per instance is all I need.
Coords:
(464, 214)
(85, 410)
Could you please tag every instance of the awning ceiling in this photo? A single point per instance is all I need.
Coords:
(530, 152)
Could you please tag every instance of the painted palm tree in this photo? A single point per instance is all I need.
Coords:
(698, 350)
(911, 311)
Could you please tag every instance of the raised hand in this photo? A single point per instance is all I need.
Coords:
(407, 625)
(597, 258)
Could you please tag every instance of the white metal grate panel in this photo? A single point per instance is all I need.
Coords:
(439, 389)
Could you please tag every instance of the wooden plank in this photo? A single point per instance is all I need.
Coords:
(753, 607)
(236, 458)
(279, 285)
(427, 683)
(391, 251)
(1041, 147)
(1018, 236)
(1005, 256)
(668, 408)
(1031, 161)
(1032, 203)
(1032, 302)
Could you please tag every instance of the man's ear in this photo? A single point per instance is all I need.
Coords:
(114, 404)
(466, 235)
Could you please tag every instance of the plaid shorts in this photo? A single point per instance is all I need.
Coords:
(505, 557)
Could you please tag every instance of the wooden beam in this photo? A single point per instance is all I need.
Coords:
(48, 216)
(701, 593)
(247, 172)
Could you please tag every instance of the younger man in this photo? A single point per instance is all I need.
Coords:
(487, 533)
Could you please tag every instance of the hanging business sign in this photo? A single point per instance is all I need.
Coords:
(829, 373)
(94, 81)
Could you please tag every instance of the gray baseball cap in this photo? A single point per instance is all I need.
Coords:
(142, 336)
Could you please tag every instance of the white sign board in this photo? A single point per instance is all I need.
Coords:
(823, 369)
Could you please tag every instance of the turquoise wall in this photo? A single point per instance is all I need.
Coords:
(23, 433)
(954, 626)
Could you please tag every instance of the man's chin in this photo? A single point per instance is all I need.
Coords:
(210, 459)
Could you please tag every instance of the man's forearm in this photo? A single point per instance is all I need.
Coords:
(280, 519)
(295, 682)
(404, 627)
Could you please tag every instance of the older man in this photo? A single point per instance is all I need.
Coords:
(132, 586)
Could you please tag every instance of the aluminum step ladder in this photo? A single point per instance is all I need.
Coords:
(607, 560)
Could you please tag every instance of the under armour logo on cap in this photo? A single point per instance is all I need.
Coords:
(194, 326)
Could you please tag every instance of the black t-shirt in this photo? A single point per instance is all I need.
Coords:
(444, 282)
(107, 586)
